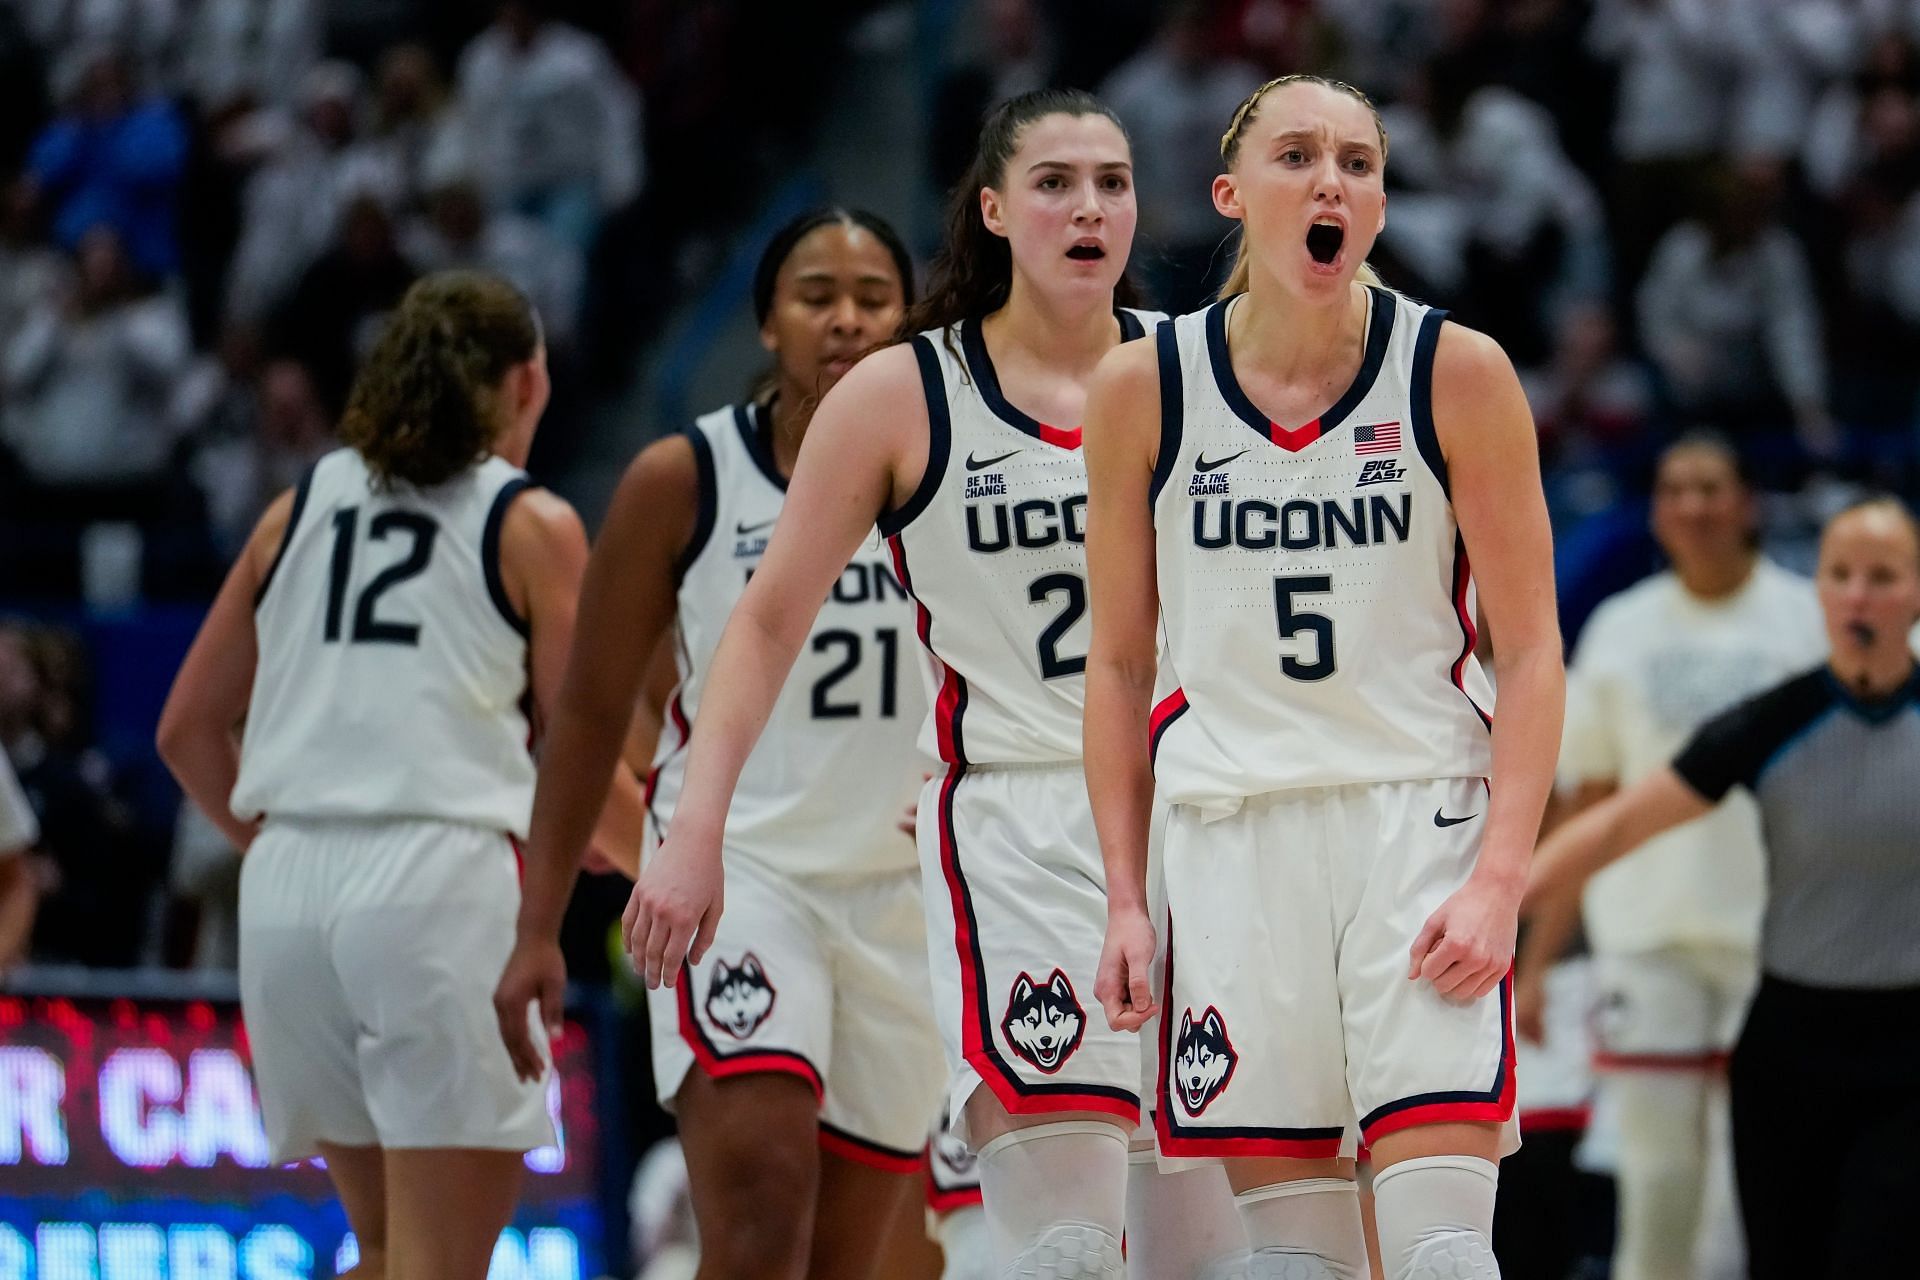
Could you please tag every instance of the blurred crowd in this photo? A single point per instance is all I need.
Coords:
(1673, 214)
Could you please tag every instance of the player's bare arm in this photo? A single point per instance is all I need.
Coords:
(626, 601)
(199, 728)
(865, 453)
(1487, 437)
(1122, 434)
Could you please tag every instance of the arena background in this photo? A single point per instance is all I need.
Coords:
(1673, 213)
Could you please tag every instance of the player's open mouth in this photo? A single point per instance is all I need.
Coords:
(1086, 253)
(1324, 240)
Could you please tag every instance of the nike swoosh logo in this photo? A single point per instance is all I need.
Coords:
(1441, 820)
(1200, 462)
(744, 529)
(979, 464)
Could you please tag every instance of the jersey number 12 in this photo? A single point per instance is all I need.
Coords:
(367, 627)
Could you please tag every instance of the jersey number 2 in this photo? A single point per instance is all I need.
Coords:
(1052, 665)
(368, 629)
(1294, 621)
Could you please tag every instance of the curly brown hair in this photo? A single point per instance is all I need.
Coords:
(426, 404)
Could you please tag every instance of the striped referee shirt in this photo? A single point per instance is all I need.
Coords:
(1838, 783)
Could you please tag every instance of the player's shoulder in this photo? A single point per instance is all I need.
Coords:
(539, 519)
(1468, 363)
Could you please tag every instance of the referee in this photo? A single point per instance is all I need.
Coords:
(1826, 1075)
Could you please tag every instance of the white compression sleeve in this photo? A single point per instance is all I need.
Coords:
(1056, 1200)
(1435, 1216)
(1304, 1230)
(1181, 1225)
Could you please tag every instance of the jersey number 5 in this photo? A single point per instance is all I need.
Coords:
(368, 629)
(1294, 621)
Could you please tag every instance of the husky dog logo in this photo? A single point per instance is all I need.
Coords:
(739, 998)
(1044, 1023)
(1203, 1060)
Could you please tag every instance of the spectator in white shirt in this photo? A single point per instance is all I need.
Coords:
(550, 121)
(88, 378)
(294, 203)
(1172, 95)
(1729, 316)
(458, 231)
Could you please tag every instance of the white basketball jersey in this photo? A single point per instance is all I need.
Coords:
(1315, 595)
(1653, 664)
(836, 770)
(993, 547)
(393, 668)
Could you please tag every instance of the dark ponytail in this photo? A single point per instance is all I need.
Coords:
(425, 405)
(973, 273)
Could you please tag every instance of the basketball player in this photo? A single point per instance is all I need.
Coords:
(1291, 482)
(799, 1051)
(374, 644)
(964, 443)
(1674, 929)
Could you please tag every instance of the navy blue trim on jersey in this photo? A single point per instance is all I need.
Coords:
(973, 345)
(1456, 1097)
(1469, 629)
(982, 1003)
(286, 538)
(980, 364)
(490, 553)
(755, 422)
(1380, 320)
(1131, 326)
(1420, 398)
(939, 440)
(897, 1154)
(1172, 408)
(707, 509)
(1166, 1107)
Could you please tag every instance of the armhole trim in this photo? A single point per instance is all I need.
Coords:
(1420, 398)
(286, 537)
(1172, 404)
(490, 553)
(707, 503)
(939, 439)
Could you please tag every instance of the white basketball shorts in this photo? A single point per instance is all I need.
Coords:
(824, 978)
(1676, 1009)
(1287, 1005)
(369, 951)
(1016, 915)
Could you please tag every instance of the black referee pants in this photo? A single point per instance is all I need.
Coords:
(1826, 1131)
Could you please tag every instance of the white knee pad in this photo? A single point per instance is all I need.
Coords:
(1307, 1229)
(1435, 1217)
(1056, 1199)
(1069, 1251)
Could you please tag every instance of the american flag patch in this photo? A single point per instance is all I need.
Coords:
(1378, 437)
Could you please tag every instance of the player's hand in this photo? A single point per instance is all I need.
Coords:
(910, 820)
(675, 908)
(535, 971)
(1466, 947)
(1122, 984)
(1530, 1006)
